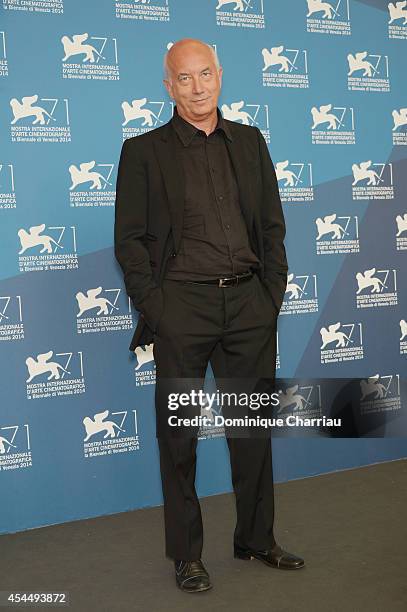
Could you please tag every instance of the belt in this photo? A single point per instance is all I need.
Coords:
(228, 281)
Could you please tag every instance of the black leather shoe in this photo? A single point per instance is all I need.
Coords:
(275, 557)
(191, 576)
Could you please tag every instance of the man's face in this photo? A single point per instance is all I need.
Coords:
(194, 81)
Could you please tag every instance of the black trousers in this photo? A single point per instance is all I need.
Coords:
(233, 328)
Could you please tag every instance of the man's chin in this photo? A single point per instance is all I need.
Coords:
(203, 109)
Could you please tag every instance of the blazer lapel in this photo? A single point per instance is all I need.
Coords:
(174, 180)
(242, 167)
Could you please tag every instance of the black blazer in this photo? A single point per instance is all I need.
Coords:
(149, 215)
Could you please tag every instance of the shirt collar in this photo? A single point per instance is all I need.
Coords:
(186, 131)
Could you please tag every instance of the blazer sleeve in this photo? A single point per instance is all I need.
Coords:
(130, 228)
(273, 228)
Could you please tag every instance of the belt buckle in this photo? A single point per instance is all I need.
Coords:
(228, 282)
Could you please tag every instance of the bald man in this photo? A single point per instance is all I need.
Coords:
(199, 235)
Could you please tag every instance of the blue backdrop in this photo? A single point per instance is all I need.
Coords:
(326, 84)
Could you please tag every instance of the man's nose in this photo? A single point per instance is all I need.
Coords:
(197, 86)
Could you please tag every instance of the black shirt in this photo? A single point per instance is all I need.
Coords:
(214, 241)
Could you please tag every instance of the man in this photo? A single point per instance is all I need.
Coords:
(199, 233)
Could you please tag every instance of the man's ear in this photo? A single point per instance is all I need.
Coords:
(220, 72)
(168, 87)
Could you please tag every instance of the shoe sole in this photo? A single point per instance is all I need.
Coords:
(250, 558)
(201, 590)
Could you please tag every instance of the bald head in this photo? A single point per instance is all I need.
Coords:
(185, 46)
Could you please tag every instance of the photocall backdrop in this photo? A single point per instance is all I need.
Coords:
(325, 82)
